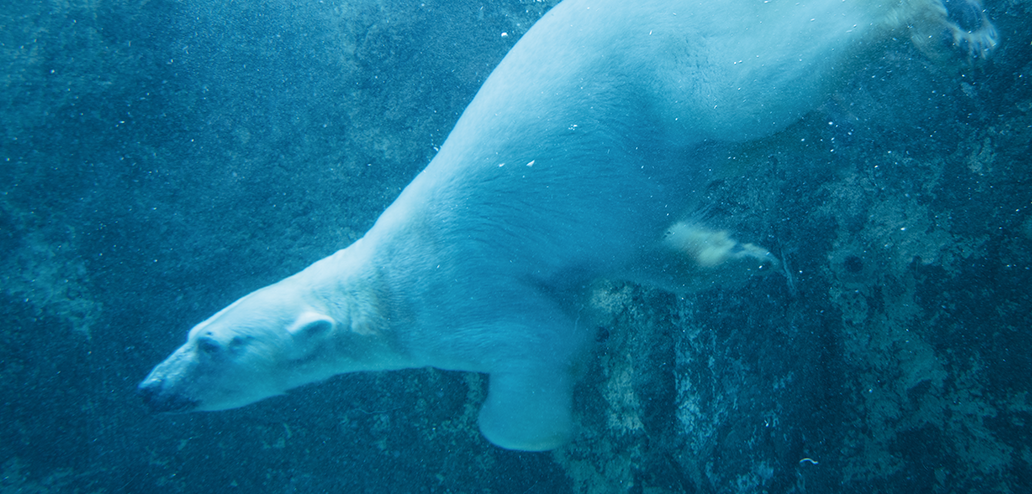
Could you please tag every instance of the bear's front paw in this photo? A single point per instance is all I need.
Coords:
(711, 249)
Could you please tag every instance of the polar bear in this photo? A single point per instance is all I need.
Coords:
(574, 162)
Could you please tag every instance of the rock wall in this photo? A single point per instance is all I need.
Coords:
(161, 159)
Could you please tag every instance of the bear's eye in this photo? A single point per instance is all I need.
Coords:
(239, 342)
(208, 346)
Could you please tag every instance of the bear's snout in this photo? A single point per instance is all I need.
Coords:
(160, 400)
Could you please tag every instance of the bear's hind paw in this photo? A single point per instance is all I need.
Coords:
(954, 30)
(968, 29)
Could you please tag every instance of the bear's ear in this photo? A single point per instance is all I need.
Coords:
(311, 325)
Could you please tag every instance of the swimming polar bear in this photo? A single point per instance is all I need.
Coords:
(574, 162)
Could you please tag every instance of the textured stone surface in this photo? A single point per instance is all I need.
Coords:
(160, 159)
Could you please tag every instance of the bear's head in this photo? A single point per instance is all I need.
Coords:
(260, 346)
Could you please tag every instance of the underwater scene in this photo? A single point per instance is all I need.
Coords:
(160, 159)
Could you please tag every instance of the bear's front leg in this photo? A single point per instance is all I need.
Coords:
(529, 408)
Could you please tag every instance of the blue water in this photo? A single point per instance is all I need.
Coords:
(160, 160)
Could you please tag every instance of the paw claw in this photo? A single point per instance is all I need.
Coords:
(969, 30)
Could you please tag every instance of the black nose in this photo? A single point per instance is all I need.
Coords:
(149, 390)
(161, 400)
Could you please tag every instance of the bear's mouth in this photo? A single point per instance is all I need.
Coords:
(159, 401)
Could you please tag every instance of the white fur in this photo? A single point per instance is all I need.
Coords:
(571, 164)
